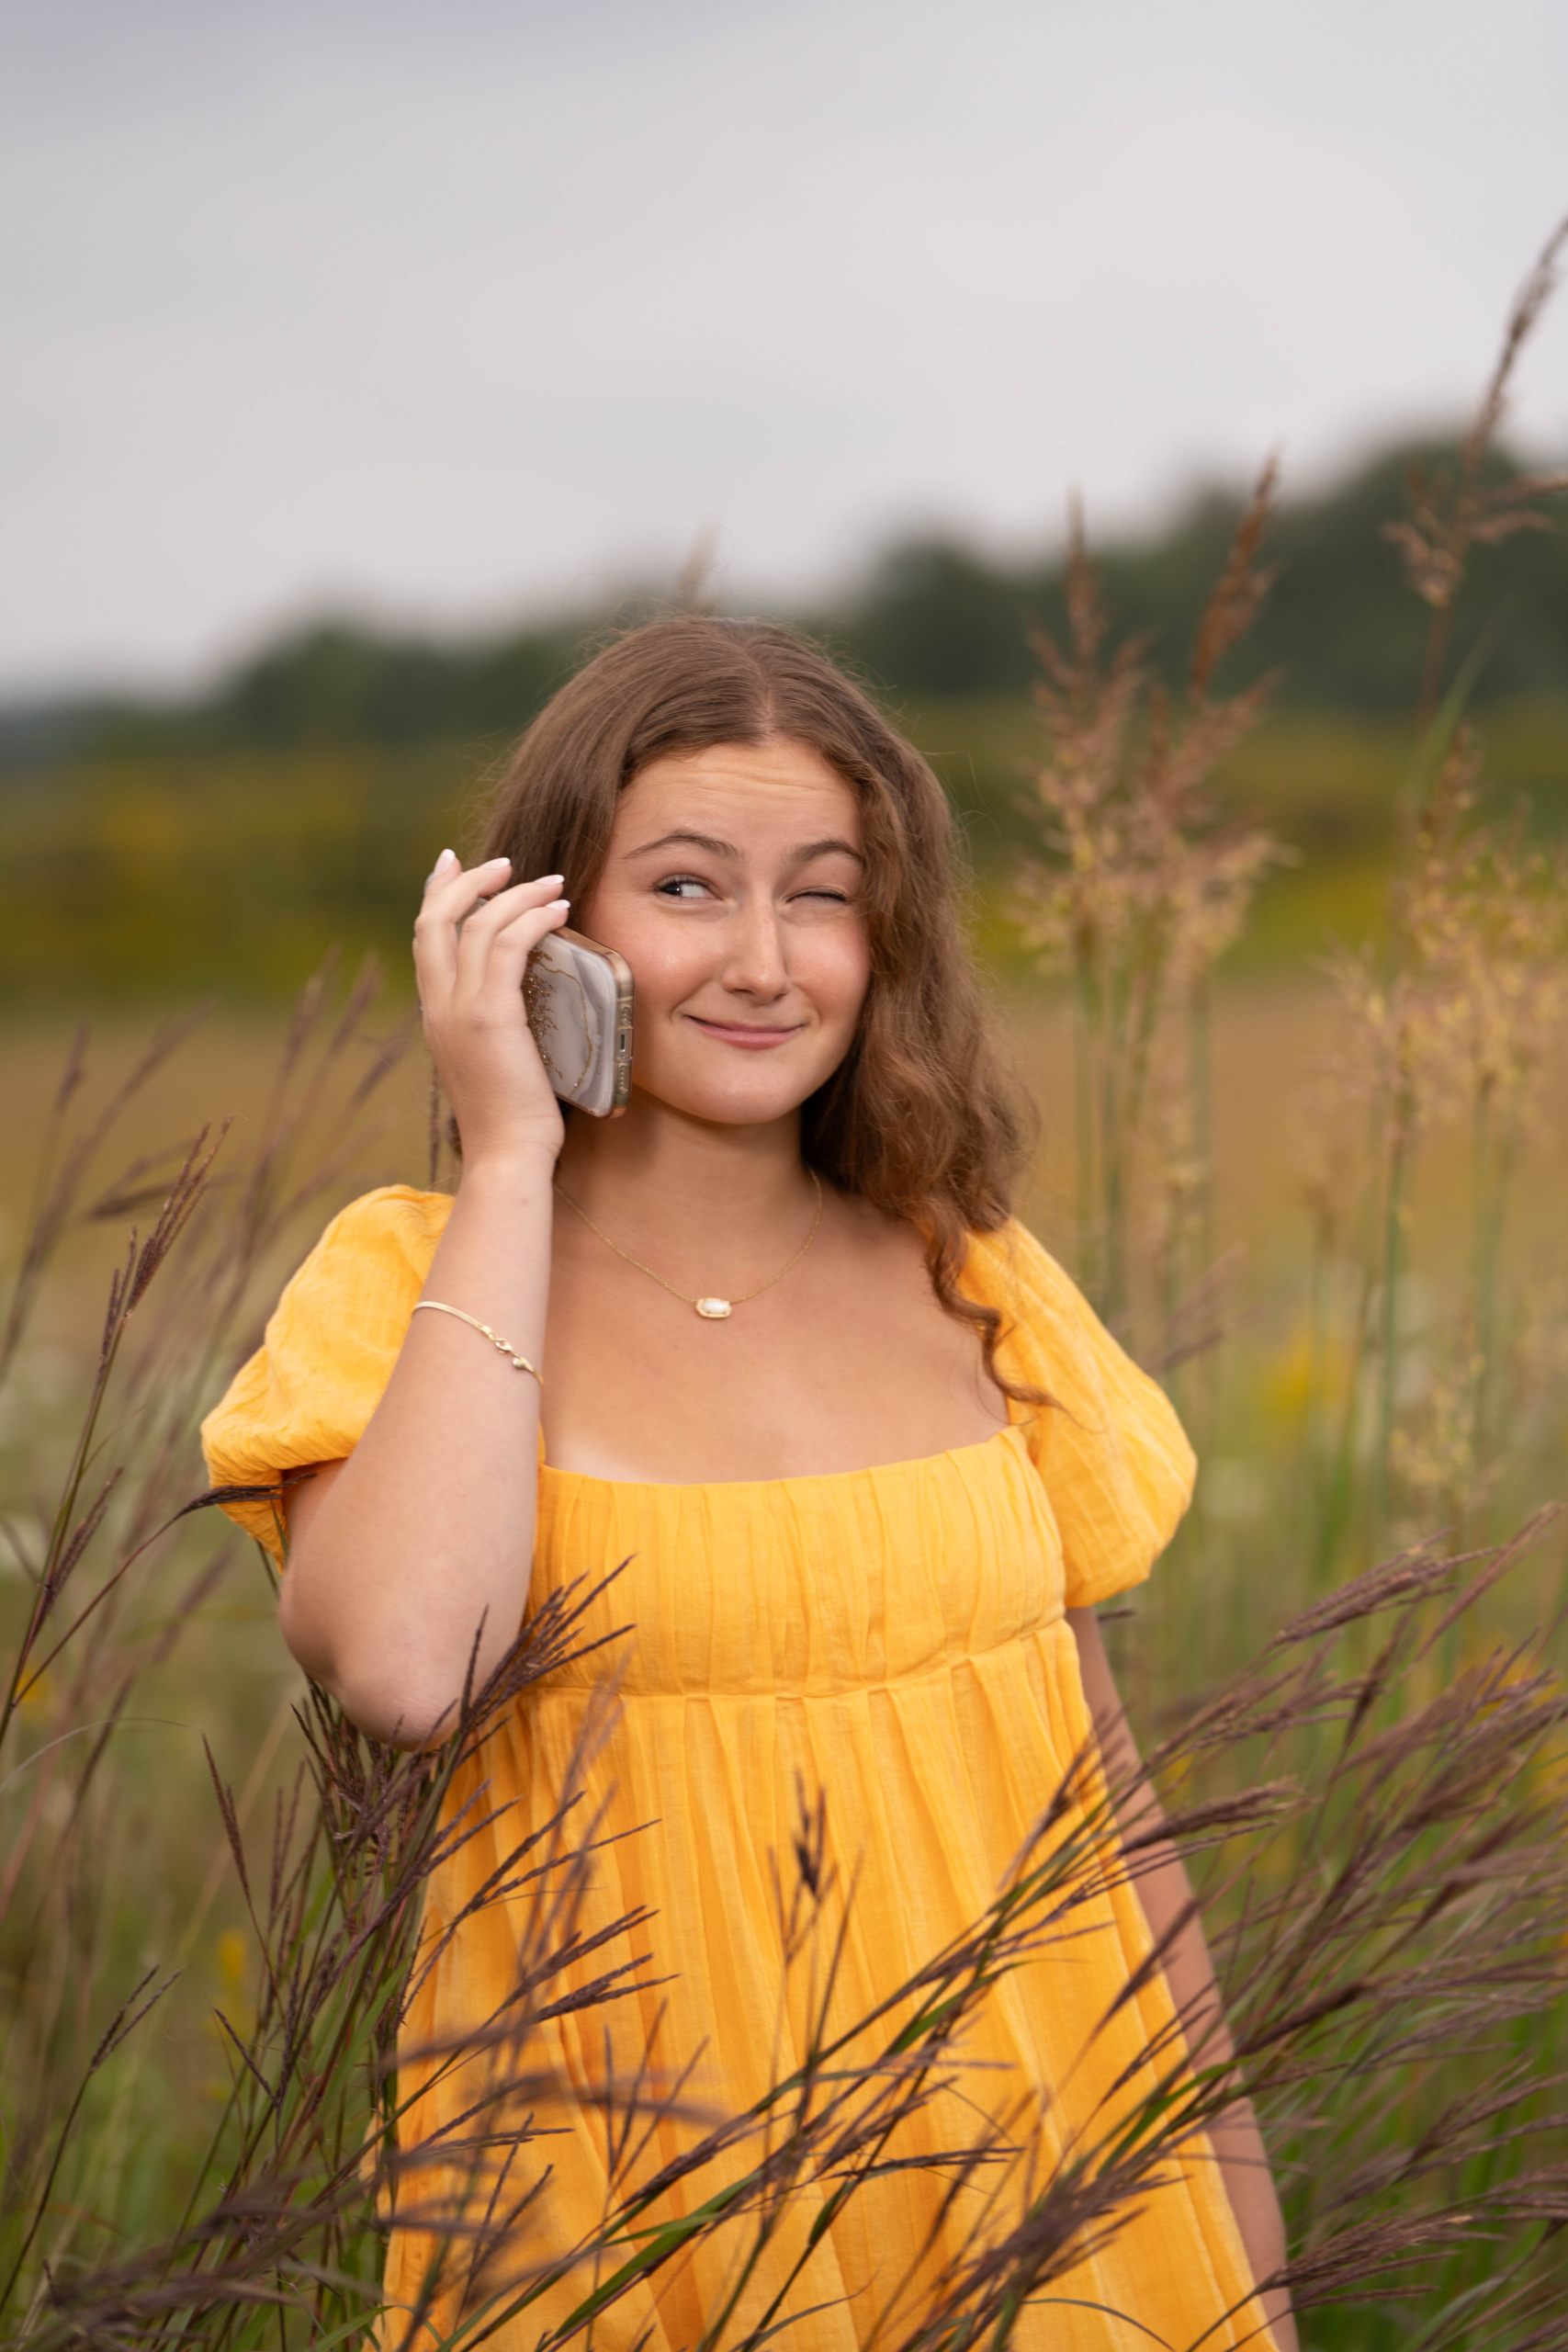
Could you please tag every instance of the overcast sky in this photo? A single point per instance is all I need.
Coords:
(453, 312)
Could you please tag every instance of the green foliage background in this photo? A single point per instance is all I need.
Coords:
(148, 849)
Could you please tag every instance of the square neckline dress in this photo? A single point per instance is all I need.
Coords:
(892, 1636)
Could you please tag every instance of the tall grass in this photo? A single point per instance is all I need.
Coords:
(1360, 1746)
(1135, 892)
(1425, 1387)
(1452, 1021)
(1391, 1897)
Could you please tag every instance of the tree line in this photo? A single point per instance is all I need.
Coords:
(934, 618)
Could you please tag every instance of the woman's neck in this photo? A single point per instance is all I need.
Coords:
(684, 1184)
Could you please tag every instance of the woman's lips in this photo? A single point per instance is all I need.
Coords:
(737, 1032)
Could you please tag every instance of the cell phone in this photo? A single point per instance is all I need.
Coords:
(577, 997)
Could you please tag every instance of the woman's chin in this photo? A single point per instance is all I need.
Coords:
(740, 1098)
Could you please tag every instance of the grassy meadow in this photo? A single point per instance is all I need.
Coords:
(146, 881)
(1288, 992)
(122, 1862)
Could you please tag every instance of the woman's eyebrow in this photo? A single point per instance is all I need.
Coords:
(808, 850)
(691, 841)
(831, 847)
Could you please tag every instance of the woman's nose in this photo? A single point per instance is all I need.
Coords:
(755, 963)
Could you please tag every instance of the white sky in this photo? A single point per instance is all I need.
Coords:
(455, 312)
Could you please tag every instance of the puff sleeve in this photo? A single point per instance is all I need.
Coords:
(1115, 1459)
(331, 1342)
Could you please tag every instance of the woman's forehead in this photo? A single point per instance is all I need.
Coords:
(763, 794)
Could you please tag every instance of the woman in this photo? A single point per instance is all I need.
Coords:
(868, 1510)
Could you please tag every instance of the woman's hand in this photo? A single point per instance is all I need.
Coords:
(409, 1569)
(471, 941)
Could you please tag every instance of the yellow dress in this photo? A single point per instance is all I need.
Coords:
(892, 1637)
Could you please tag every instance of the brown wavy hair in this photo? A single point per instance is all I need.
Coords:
(919, 1118)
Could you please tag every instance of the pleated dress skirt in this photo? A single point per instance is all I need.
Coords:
(808, 1730)
(842, 1709)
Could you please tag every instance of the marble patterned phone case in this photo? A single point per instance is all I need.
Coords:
(578, 996)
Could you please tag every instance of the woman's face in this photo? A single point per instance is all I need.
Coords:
(734, 888)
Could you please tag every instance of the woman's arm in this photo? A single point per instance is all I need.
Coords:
(410, 1562)
(1166, 1893)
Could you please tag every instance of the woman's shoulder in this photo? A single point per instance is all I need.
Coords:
(1051, 1337)
(1106, 1441)
(1010, 1270)
(393, 1221)
(370, 1264)
(331, 1342)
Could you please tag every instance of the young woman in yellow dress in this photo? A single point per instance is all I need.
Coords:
(864, 1555)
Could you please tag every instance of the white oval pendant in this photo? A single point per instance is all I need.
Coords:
(715, 1309)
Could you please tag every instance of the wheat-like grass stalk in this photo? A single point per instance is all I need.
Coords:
(1134, 893)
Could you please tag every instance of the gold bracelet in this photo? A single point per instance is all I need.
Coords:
(519, 1363)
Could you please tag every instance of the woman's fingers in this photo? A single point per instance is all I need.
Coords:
(472, 939)
(449, 895)
(472, 924)
(497, 938)
(451, 899)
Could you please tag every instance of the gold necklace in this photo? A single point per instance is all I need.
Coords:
(712, 1310)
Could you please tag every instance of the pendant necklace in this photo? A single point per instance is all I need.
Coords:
(712, 1310)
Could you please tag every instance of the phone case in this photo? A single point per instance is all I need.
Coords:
(578, 996)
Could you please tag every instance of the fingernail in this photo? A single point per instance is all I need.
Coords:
(496, 860)
(554, 903)
(556, 878)
(444, 863)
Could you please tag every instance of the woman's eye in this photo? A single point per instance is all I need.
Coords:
(681, 886)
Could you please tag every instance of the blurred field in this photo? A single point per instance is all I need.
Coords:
(226, 1069)
(149, 878)
(1266, 1032)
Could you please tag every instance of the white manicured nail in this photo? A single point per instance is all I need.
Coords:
(444, 863)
